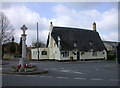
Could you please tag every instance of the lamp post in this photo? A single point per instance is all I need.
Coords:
(37, 42)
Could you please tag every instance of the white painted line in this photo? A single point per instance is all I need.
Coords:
(62, 68)
(0, 68)
(80, 78)
(96, 69)
(42, 76)
(79, 73)
(62, 77)
(65, 70)
(31, 75)
(97, 79)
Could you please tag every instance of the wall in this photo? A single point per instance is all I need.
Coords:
(41, 57)
(71, 54)
(89, 55)
(86, 55)
(8, 56)
(53, 49)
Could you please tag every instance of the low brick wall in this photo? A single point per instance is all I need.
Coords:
(8, 56)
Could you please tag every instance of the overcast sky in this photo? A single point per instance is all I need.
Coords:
(68, 14)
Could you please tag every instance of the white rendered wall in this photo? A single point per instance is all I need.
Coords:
(71, 54)
(88, 55)
(34, 54)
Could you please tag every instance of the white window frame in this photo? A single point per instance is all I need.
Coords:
(65, 53)
(94, 53)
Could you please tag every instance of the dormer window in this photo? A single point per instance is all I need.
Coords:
(91, 43)
(58, 38)
(75, 45)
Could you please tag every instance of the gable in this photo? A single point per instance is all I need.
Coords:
(84, 39)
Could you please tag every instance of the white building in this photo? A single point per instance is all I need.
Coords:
(66, 43)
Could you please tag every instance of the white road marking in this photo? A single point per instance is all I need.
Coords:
(31, 75)
(42, 76)
(96, 69)
(79, 73)
(65, 70)
(97, 79)
(0, 68)
(80, 78)
(62, 68)
(62, 77)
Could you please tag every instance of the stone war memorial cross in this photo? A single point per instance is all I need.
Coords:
(24, 28)
(23, 66)
(24, 58)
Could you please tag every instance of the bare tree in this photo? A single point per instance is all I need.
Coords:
(38, 44)
(6, 29)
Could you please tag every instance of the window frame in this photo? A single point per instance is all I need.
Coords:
(65, 53)
(94, 53)
(44, 52)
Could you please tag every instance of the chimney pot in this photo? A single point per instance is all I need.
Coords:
(51, 23)
(94, 26)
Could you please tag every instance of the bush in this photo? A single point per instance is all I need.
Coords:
(111, 56)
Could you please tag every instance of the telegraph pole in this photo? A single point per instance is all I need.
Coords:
(37, 42)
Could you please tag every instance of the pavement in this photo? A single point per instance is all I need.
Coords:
(77, 73)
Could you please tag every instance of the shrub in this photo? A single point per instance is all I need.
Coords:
(111, 56)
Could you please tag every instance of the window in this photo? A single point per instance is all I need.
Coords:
(44, 52)
(94, 53)
(74, 53)
(91, 43)
(54, 44)
(36, 52)
(33, 53)
(75, 45)
(65, 54)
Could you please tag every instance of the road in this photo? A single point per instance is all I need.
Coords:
(85, 73)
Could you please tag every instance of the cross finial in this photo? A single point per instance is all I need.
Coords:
(24, 28)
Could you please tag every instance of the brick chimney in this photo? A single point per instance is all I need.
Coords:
(94, 26)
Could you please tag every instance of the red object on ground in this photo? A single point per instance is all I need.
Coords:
(25, 66)
(18, 67)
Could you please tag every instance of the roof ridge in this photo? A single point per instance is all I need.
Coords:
(72, 28)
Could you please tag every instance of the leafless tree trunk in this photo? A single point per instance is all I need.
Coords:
(6, 29)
